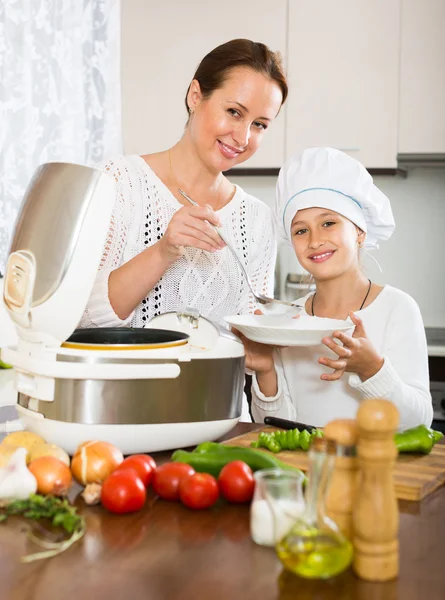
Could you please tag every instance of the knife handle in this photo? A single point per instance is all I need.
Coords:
(286, 424)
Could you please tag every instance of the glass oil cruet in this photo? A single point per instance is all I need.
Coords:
(314, 547)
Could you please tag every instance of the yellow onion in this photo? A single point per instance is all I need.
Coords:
(49, 450)
(93, 462)
(52, 475)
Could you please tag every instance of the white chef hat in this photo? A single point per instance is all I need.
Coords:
(328, 178)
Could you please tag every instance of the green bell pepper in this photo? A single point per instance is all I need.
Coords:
(438, 435)
(418, 439)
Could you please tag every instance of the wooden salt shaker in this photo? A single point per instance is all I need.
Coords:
(376, 514)
(342, 489)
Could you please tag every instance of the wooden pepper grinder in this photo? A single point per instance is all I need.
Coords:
(376, 513)
(342, 490)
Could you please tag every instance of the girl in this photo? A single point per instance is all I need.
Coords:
(328, 208)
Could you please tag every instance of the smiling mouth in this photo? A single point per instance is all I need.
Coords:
(229, 151)
(321, 257)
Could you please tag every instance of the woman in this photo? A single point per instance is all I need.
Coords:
(161, 253)
(328, 208)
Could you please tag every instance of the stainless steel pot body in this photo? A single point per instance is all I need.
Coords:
(206, 390)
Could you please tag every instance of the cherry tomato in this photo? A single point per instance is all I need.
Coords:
(236, 482)
(123, 492)
(199, 491)
(143, 464)
(167, 478)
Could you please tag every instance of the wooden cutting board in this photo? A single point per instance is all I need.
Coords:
(415, 475)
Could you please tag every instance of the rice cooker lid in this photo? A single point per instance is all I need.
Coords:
(124, 338)
(56, 249)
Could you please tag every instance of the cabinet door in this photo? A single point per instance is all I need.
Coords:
(343, 64)
(422, 77)
(162, 44)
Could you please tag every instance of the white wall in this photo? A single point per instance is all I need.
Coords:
(414, 258)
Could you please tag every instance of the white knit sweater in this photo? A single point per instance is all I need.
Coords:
(209, 282)
(394, 325)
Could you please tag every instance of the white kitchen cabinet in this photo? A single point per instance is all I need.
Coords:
(162, 44)
(343, 65)
(422, 77)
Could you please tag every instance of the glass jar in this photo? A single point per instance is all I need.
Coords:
(277, 502)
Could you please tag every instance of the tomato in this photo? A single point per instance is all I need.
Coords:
(236, 482)
(123, 492)
(150, 460)
(199, 491)
(167, 478)
(143, 464)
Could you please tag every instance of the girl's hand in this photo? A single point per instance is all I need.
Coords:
(191, 226)
(357, 355)
(259, 357)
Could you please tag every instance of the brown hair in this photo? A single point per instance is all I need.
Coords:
(214, 68)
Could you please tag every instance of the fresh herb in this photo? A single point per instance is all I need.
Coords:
(61, 514)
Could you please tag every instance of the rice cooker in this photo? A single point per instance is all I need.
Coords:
(175, 383)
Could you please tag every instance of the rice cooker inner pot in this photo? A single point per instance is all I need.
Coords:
(102, 338)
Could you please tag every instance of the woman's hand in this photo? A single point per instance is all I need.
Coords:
(357, 355)
(191, 226)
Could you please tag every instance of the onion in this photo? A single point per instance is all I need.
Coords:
(49, 450)
(52, 475)
(93, 462)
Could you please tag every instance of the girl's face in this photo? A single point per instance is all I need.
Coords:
(325, 242)
(228, 127)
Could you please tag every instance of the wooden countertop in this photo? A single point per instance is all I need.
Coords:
(167, 552)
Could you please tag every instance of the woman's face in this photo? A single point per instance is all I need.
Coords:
(325, 242)
(228, 127)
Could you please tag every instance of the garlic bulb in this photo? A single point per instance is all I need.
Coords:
(16, 481)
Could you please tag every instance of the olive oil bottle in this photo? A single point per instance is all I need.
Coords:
(315, 547)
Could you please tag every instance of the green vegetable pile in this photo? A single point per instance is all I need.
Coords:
(419, 440)
(59, 512)
(292, 439)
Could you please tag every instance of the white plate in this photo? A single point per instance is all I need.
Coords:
(282, 330)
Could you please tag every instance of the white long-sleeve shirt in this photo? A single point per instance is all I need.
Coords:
(212, 283)
(394, 325)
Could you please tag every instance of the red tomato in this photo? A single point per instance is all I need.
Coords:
(167, 478)
(143, 464)
(199, 491)
(236, 482)
(123, 492)
(151, 461)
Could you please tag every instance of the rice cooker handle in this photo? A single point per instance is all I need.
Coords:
(114, 371)
(69, 370)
